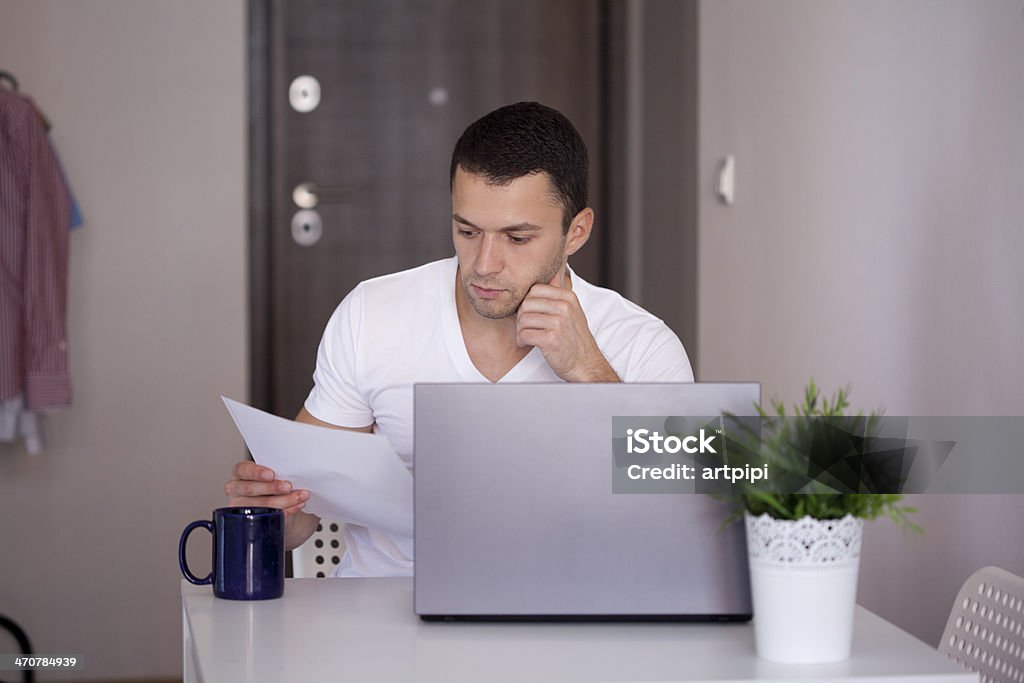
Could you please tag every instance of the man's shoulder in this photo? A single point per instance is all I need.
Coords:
(414, 287)
(419, 276)
(406, 300)
(638, 344)
(605, 308)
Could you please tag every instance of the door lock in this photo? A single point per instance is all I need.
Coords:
(304, 94)
(307, 228)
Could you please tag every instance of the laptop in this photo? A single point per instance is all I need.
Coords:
(515, 518)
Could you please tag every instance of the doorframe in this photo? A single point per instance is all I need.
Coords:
(260, 56)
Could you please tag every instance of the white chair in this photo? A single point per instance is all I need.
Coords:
(985, 631)
(319, 555)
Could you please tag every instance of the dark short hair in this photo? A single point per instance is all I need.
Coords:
(525, 138)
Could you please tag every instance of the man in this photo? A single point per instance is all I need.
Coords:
(506, 308)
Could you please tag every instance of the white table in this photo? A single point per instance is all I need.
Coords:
(365, 630)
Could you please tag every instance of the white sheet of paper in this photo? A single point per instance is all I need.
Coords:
(351, 477)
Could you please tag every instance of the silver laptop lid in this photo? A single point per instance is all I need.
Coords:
(515, 515)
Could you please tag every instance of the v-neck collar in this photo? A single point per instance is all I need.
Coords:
(456, 343)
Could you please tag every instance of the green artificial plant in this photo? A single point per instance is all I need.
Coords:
(816, 438)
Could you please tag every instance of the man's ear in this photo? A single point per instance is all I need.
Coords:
(579, 231)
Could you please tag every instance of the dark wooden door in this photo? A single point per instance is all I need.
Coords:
(399, 81)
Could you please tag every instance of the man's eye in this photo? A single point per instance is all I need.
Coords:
(465, 233)
(519, 240)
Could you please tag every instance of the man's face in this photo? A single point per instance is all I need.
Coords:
(507, 238)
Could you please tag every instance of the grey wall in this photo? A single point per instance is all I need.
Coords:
(876, 237)
(147, 102)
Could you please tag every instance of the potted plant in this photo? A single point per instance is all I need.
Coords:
(804, 547)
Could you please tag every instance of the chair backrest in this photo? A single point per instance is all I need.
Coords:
(318, 556)
(985, 631)
(19, 634)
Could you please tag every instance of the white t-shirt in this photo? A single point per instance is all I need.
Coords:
(397, 330)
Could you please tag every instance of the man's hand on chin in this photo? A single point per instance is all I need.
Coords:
(552, 319)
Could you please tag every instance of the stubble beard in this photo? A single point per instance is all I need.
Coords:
(490, 309)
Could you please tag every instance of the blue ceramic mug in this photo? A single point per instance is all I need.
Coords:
(248, 553)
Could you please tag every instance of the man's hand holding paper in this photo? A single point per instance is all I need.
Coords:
(352, 477)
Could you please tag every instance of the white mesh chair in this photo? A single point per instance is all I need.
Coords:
(985, 631)
(319, 555)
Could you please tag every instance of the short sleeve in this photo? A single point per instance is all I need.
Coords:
(662, 359)
(336, 397)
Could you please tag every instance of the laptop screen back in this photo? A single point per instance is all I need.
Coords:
(515, 515)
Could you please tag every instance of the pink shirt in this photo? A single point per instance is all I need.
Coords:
(35, 210)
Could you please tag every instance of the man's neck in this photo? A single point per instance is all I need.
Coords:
(490, 343)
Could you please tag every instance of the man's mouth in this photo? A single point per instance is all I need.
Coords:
(485, 293)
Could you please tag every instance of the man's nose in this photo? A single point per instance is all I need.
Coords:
(488, 259)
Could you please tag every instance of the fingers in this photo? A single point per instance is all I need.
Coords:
(539, 305)
(546, 315)
(549, 292)
(546, 308)
(539, 338)
(244, 488)
(252, 471)
(546, 301)
(253, 485)
(283, 501)
(538, 321)
(294, 509)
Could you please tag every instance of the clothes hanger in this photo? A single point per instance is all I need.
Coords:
(9, 77)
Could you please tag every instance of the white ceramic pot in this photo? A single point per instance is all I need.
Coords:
(803, 577)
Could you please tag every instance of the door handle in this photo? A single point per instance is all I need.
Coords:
(307, 195)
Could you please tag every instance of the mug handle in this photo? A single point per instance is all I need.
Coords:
(181, 552)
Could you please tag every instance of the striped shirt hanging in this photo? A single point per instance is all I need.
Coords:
(35, 210)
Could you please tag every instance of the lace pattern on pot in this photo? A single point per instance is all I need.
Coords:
(805, 543)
